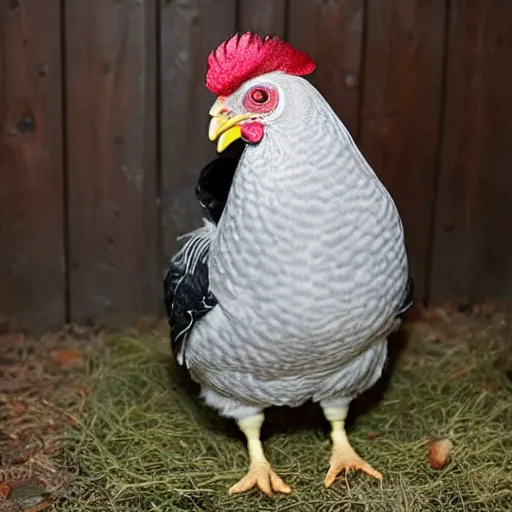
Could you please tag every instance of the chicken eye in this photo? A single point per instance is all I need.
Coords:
(260, 100)
(259, 96)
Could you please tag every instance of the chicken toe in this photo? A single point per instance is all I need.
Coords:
(345, 459)
(261, 475)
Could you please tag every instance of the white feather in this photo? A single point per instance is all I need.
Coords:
(195, 250)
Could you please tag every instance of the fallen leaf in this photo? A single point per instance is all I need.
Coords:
(439, 453)
(372, 435)
(68, 357)
(5, 489)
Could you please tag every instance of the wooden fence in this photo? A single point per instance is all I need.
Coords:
(103, 117)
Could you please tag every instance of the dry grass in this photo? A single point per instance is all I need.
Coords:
(145, 443)
(40, 380)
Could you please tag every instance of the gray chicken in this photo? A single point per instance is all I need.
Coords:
(289, 290)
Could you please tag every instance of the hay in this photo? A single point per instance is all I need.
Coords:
(145, 443)
(40, 380)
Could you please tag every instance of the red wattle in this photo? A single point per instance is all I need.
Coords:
(252, 132)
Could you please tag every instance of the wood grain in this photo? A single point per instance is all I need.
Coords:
(32, 269)
(265, 17)
(111, 123)
(332, 33)
(188, 35)
(401, 109)
(473, 242)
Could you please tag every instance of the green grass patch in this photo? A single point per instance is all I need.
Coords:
(145, 443)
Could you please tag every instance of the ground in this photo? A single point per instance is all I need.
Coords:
(95, 421)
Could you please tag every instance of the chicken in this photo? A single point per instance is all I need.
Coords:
(289, 290)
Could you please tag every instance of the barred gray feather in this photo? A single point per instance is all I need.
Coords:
(308, 265)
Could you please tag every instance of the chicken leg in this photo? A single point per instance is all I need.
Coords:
(344, 457)
(260, 472)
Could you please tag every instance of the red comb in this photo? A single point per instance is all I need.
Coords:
(246, 56)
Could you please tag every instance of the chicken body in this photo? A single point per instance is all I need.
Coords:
(308, 266)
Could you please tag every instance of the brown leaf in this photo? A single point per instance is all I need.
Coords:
(372, 435)
(5, 489)
(68, 357)
(439, 453)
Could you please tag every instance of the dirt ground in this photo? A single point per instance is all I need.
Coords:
(43, 382)
(97, 421)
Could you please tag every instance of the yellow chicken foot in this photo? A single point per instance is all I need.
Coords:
(344, 458)
(260, 472)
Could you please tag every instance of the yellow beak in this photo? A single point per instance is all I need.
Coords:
(224, 128)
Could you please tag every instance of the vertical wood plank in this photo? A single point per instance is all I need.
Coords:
(401, 109)
(190, 29)
(111, 91)
(473, 242)
(32, 267)
(264, 17)
(332, 33)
